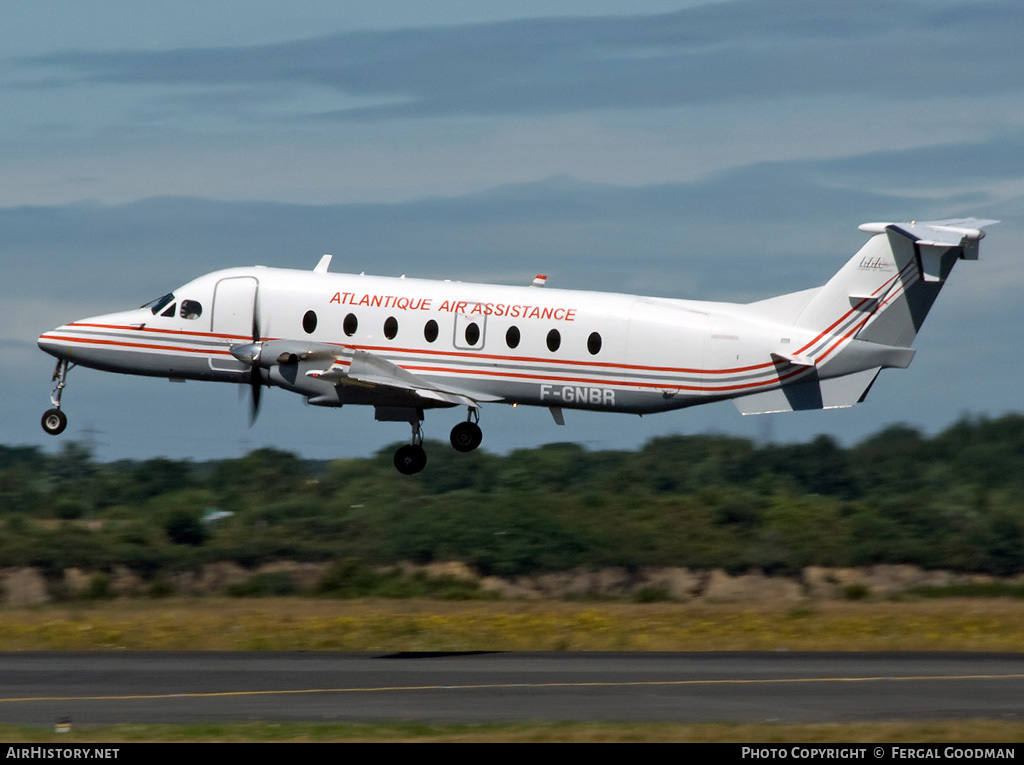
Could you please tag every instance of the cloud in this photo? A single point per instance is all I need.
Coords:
(700, 238)
(945, 165)
(717, 53)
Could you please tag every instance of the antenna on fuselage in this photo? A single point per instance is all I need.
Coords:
(322, 266)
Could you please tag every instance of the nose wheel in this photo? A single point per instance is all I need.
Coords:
(54, 420)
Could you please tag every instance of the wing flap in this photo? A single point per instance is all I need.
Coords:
(369, 370)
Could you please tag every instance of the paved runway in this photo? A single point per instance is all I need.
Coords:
(680, 687)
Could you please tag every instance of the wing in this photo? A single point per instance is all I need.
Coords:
(350, 366)
(356, 367)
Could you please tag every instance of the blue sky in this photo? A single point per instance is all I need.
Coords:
(711, 150)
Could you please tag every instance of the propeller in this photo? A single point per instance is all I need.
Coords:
(250, 354)
(255, 374)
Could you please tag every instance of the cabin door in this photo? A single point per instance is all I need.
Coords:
(234, 300)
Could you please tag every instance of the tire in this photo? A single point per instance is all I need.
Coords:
(54, 421)
(410, 459)
(466, 436)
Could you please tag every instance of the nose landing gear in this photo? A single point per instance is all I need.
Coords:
(54, 420)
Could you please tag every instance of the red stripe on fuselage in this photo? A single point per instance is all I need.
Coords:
(125, 344)
(506, 358)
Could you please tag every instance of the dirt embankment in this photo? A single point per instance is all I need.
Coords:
(28, 586)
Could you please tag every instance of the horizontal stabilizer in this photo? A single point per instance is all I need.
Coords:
(812, 393)
(949, 233)
(932, 240)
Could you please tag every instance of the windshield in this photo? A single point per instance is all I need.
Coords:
(160, 302)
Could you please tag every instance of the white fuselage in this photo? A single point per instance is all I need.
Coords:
(405, 345)
(517, 345)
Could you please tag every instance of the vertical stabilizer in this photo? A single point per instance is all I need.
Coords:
(883, 294)
(865, 317)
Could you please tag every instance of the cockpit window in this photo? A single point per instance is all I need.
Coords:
(170, 310)
(191, 309)
(161, 302)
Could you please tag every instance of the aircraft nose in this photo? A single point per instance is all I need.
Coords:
(55, 342)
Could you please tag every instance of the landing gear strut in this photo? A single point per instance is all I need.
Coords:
(54, 420)
(466, 436)
(411, 458)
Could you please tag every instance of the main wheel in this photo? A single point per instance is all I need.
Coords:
(466, 436)
(54, 421)
(410, 459)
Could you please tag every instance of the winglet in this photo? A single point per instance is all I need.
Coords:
(539, 280)
(322, 266)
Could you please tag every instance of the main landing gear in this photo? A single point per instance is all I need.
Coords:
(54, 420)
(466, 436)
(411, 458)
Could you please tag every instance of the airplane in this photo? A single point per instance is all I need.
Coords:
(405, 346)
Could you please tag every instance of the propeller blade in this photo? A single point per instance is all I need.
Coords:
(253, 354)
(256, 386)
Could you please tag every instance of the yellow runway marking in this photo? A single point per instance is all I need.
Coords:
(499, 686)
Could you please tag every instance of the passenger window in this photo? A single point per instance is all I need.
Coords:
(594, 343)
(309, 322)
(350, 325)
(512, 337)
(391, 328)
(554, 340)
(191, 309)
(472, 333)
(430, 331)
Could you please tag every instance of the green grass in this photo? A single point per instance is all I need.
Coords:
(980, 590)
(307, 624)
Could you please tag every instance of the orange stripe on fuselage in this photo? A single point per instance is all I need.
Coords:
(125, 344)
(527, 359)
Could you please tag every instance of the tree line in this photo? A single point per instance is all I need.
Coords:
(954, 500)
